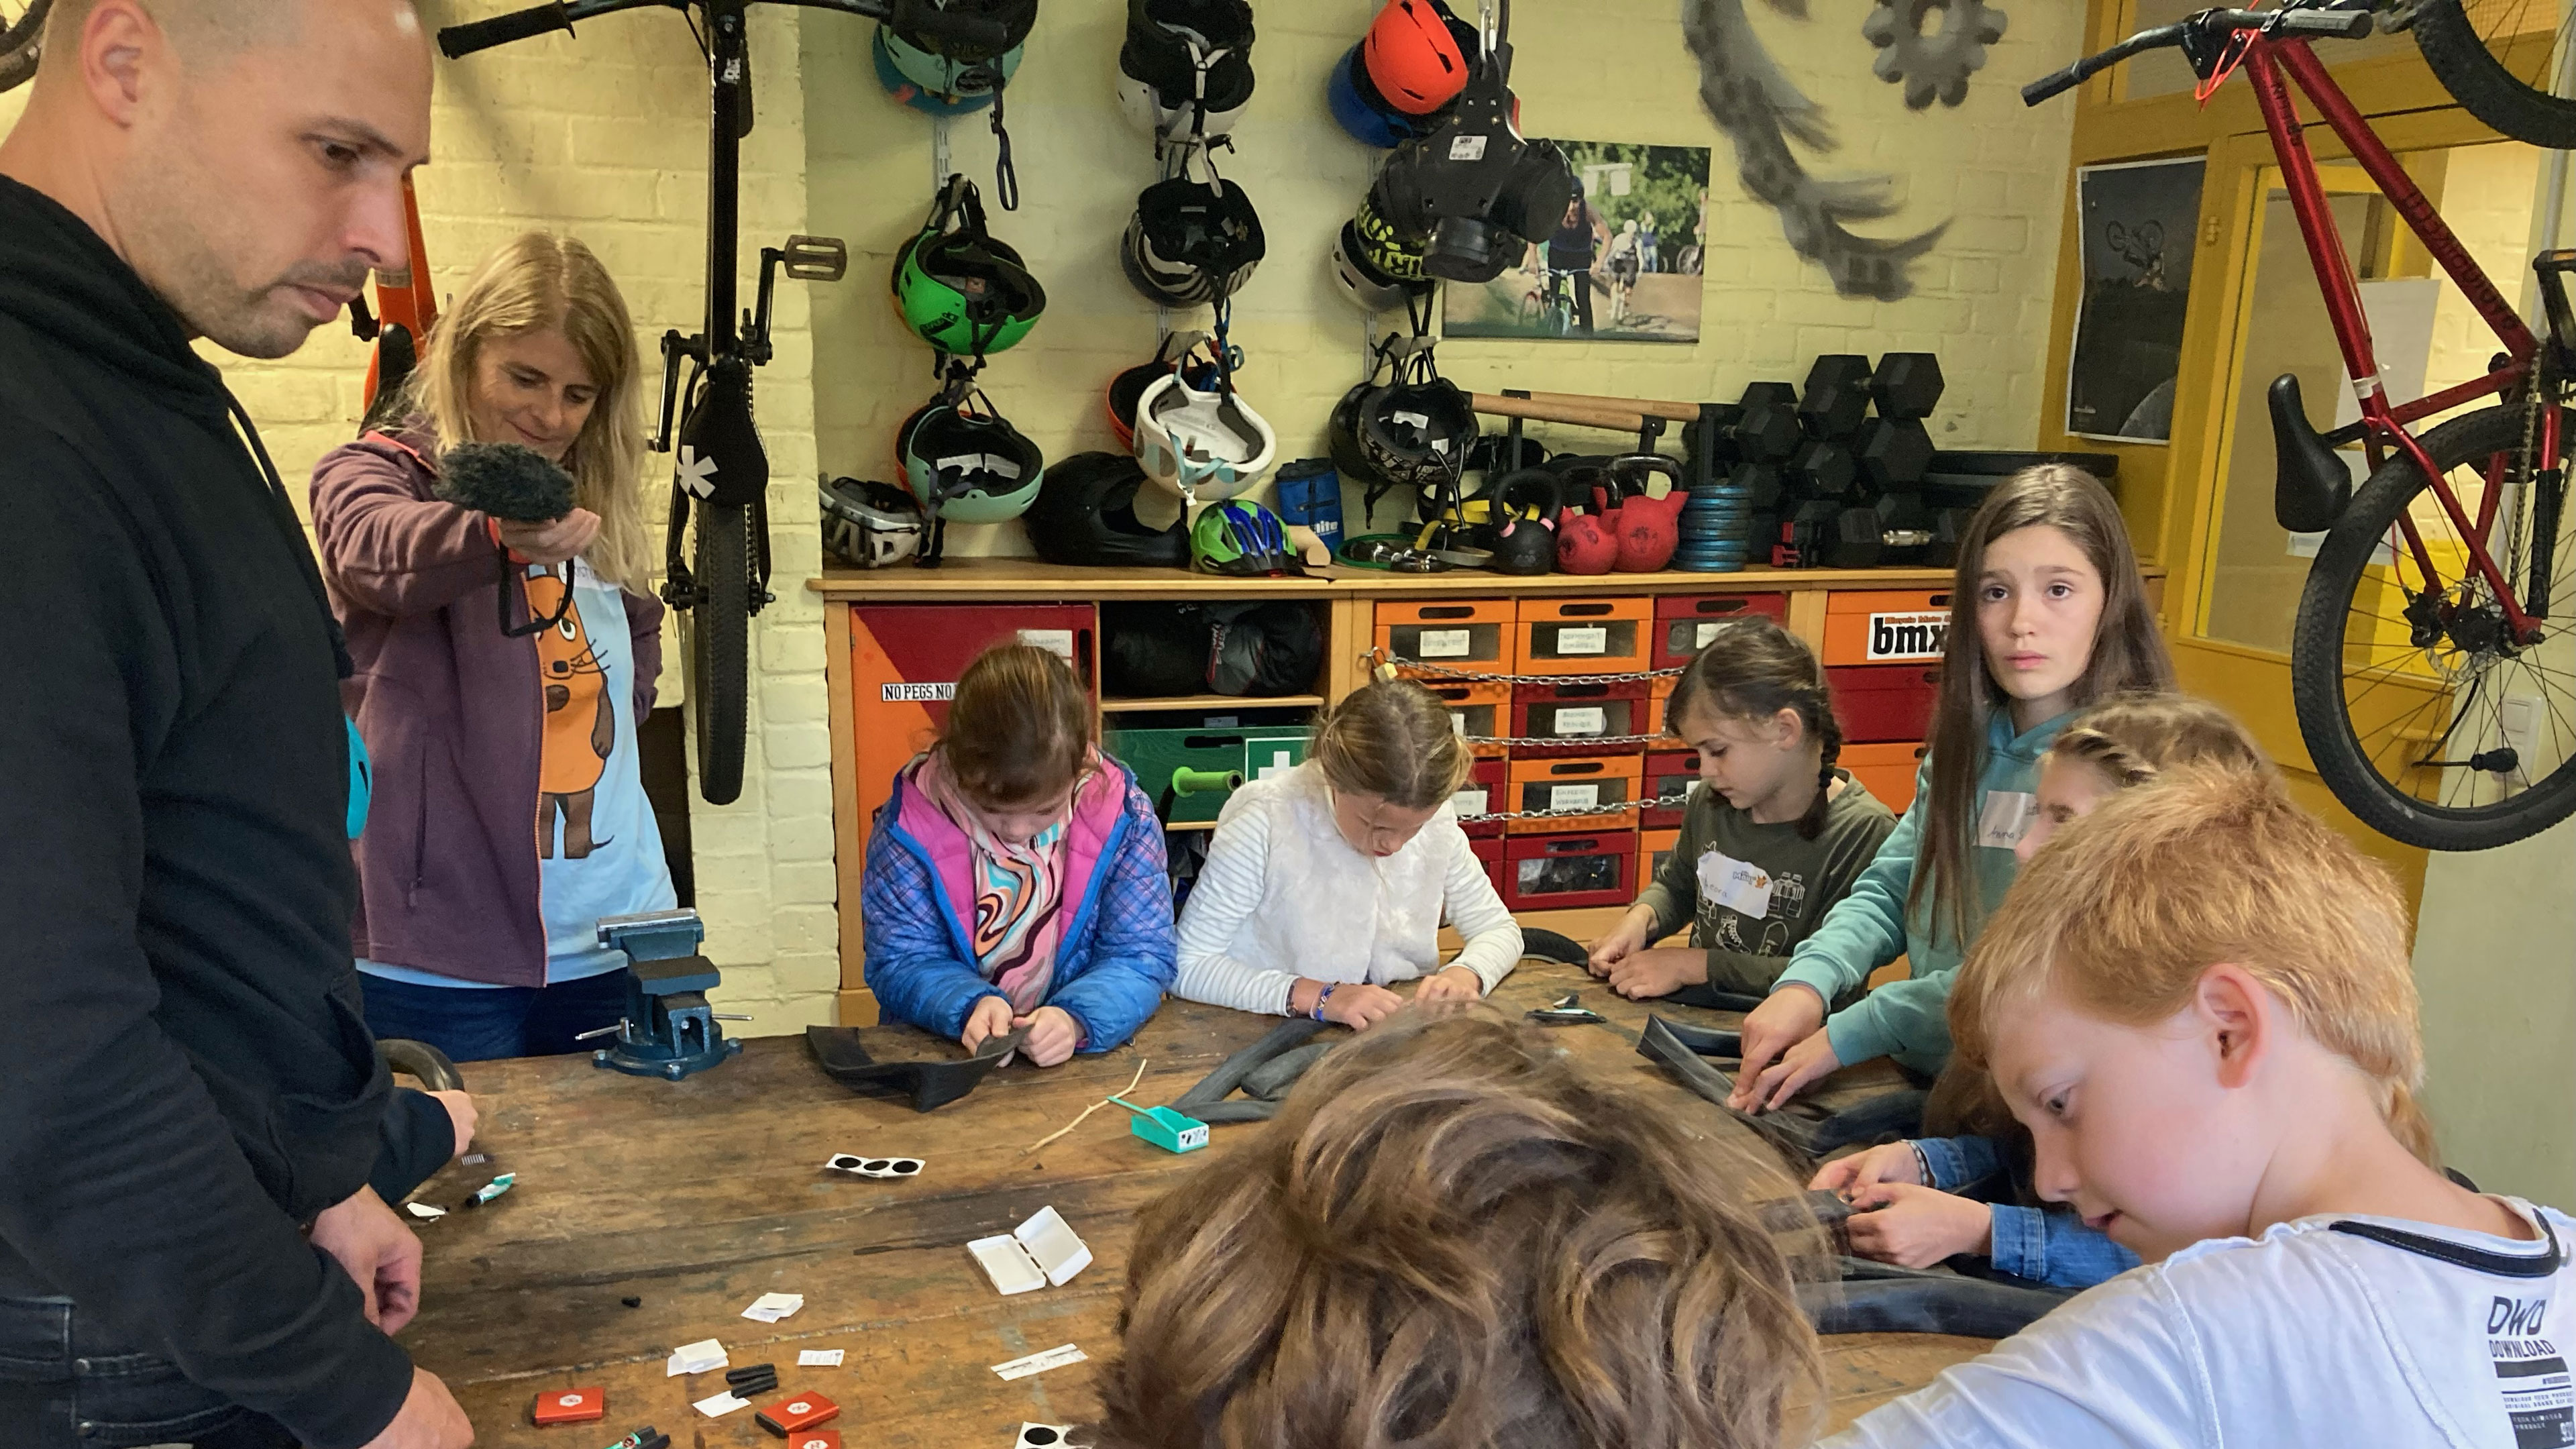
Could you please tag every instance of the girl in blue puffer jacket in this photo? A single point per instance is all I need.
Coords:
(1015, 878)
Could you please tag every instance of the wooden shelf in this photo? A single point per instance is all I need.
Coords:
(1233, 702)
(1031, 580)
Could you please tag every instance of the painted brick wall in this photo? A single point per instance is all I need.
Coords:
(1611, 70)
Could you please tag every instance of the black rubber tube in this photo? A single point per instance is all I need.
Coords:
(420, 1060)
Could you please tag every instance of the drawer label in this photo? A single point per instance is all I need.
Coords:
(917, 693)
(1442, 644)
(1586, 796)
(1583, 639)
(1470, 801)
(1908, 636)
(1590, 719)
(1704, 633)
(1058, 642)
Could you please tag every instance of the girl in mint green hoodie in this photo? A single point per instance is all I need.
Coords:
(2047, 615)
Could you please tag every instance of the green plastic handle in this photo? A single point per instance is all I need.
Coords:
(1186, 781)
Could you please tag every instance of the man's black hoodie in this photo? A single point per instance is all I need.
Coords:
(187, 1079)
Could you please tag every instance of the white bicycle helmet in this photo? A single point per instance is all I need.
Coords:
(1360, 282)
(1146, 110)
(1201, 445)
(870, 524)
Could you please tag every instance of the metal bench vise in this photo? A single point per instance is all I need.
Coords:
(669, 1030)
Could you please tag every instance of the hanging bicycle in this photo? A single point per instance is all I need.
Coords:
(2426, 663)
(719, 577)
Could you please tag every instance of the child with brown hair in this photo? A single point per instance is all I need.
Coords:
(1771, 837)
(1940, 1196)
(1325, 884)
(1015, 878)
(2200, 1004)
(1450, 1236)
(2047, 615)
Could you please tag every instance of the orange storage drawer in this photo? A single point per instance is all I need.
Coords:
(1652, 847)
(1470, 634)
(1583, 636)
(1684, 623)
(1479, 711)
(1888, 771)
(1482, 795)
(1902, 627)
(1606, 783)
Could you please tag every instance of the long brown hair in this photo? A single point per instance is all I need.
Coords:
(1449, 1236)
(2128, 654)
(1752, 670)
(1019, 730)
(539, 280)
(1392, 739)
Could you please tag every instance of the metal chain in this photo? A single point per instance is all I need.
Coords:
(1376, 657)
(1569, 741)
(1620, 808)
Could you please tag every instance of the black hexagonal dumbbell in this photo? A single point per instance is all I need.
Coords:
(1855, 541)
(1904, 526)
(1906, 385)
(1714, 429)
(1824, 468)
(1837, 395)
(1763, 481)
(1806, 535)
(1893, 452)
(1767, 428)
(1949, 525)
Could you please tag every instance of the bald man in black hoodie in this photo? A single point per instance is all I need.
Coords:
(189, 1100)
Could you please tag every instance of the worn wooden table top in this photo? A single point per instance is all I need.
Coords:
(698, 1197)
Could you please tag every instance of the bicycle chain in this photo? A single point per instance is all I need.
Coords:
(1376, 657)
(1571, 812)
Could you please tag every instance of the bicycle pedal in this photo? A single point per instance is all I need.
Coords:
(817, 258)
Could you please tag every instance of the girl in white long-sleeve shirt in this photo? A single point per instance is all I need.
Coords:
(1328, 882)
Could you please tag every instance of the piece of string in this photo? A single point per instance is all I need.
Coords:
(1087, 1111)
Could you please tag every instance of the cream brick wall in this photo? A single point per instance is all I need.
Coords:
(1608, 70)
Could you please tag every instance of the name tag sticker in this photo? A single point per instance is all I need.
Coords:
(1739, 885)
(2007, 816)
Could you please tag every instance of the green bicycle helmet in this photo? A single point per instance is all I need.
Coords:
(1242, 539)
(958, 288)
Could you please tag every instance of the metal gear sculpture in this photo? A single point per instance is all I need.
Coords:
(1932, 63)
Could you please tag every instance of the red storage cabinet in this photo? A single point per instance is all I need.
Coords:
(904, 663)
(1489, 851)
(1652, 847)
(1684, 623)
(1884, 703)
(1581, 715)
(1563, 872)
(1482, 795)
(1669, 777)
(1481, 710)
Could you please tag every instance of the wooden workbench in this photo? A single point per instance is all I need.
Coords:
(698, 1197)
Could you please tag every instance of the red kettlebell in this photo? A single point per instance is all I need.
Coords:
(1649, 530)
(1585, 544)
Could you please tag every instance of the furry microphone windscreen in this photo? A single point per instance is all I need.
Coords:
(505, 480)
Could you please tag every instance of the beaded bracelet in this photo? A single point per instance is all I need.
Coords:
(1321, 997)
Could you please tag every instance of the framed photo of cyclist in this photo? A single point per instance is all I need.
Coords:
(2140, 222)
(1623, 264)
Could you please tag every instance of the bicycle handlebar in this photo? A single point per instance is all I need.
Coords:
(2334, 24)
(922, 18)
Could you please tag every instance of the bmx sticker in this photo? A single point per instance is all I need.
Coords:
(1903, 638)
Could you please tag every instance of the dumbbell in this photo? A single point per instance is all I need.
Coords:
(1760, 482)
(1855, 542)
(1906, 385)
(1904, 526)
(1767, 428)
(1715, 429)
(1949, 525)
(1762, 530)
(1837, 395)
(1805, 534)
(1893, 452)
(1824, 468)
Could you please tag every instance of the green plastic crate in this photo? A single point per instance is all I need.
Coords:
(1187, 773)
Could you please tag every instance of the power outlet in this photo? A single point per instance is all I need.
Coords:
(2518, 720)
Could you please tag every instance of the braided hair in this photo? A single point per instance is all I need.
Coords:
(2132, 738)
(1752, 670)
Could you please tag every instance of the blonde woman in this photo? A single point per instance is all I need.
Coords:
(509, 814)
(1326, 885)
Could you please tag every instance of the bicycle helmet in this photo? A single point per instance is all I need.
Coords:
(959, 289)
(966, 84)
(1186, 65)
(1241, 538)
(1201, 444)
(1189, 242)
(1360, 282)
(1085, 514)
(1383, 244)
(1015, 17)
(1127, 389)
(912, 93)
(1359, 109)
(1413, 56)
(868, 524)
(1416, 433)
(967, 466)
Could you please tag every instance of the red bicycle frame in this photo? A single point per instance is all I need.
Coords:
(2383, 425)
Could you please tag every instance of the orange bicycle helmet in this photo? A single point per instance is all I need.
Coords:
(1413, 56)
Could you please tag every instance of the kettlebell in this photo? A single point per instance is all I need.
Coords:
(1522, 544)
(1585, 545)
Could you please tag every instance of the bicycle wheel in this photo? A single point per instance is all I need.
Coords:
(720, 650)
(22, 29)
(2419, 715)
(2463, 52)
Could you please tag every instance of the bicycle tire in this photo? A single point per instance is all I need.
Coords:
(2461, 60)
(2320, 645)
(21, 45)
(720, 650)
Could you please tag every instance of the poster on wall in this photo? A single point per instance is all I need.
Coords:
(1622, 265)
(2140, 220)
